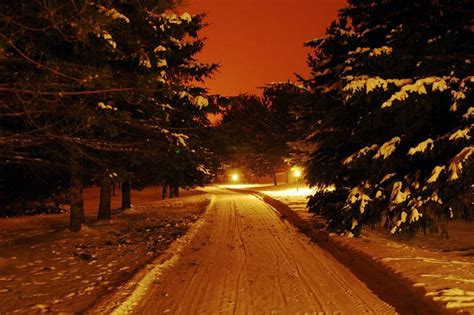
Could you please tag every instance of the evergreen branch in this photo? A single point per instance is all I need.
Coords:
(39, 65)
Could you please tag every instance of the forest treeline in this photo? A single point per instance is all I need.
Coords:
(102, 93)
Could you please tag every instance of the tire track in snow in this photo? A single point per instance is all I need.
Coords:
(246, 252)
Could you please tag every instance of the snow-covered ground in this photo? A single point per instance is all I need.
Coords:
(246, 260)
(443, 268)
(46, 268)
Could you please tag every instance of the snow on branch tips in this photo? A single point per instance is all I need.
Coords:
(102, 105)
(159, 48)
(398, 195)
(419, 87)
(202, 168)
(173, 19)
(144, 60)
(415, 216)
(387, 177)
(422, 147)
(113, 13)
(370, 84)
(357, 194)
(435, 174)
(108, 38)
(362, 152)
(181, 138)
(359, 50)
(460, 134)
(456, 163)
(469, 114)
(384, 50)
(401, 220)
(161, 63)
(387, 148)
(460, 95)
(200, 102)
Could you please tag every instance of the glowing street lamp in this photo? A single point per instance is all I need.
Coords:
(234, 177)
(297, 174)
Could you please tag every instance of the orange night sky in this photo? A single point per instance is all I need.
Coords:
(259, 41)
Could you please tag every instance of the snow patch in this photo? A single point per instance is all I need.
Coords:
(159, 48)
(387, 148)
(426, 260)
(469, 114)
(415, 215)
(161, 63)
(362, 152)
(359, 50)
(387, 177)
(181, 138)
(145, 60)
(200, 102)
(371, 83)
(435, 174)
(357, 194)
(456, 163)
(113, 13)
(186, 17)
(460, 134)
(398, 196)
(449, 277)
(422, 147)
(419, 87)
(455, 297)
(384, 50)
(108, 38)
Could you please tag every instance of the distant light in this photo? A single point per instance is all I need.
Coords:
(297, 173)
(235, 177)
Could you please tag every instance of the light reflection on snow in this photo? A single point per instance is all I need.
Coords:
(293, 192)
(242, 186)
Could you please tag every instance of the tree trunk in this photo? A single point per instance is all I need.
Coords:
(105, 208)
(171, 190)
(176, 191)
(275, 178)
(76, 199)
(126, 195)
(163, 193)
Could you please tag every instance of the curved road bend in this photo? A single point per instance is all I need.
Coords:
(246, 260)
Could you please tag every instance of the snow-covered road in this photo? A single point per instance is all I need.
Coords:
(246, 260)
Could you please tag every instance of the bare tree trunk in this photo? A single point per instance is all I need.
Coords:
(76, 199)
(163, 193)
(275, 178)
(171, 190)
(126, 195)
(176, 191)
(105, 208)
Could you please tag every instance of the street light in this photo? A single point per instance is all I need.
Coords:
(234, 177)
(297, 174)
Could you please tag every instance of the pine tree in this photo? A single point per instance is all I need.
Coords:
(288, 121)
(88, 86)
(400, 119)
(244, 133)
